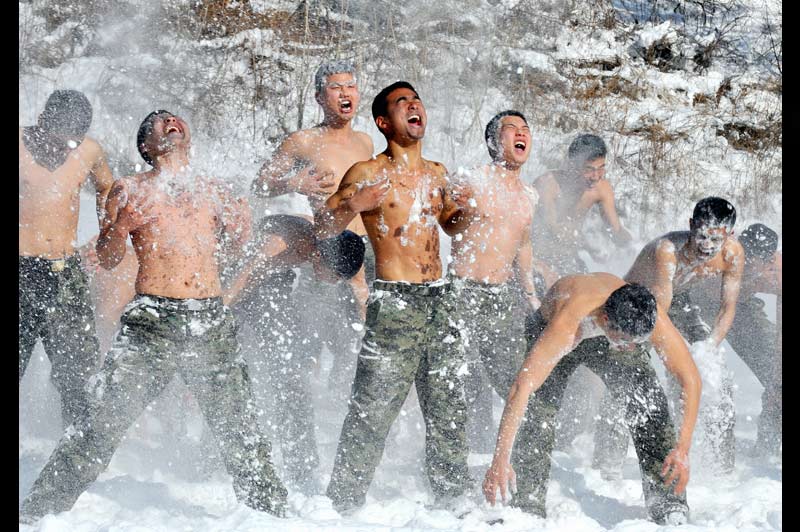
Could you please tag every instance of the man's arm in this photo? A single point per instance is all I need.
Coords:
(523, 264)
(354, 196)
(119, 220)
(285, 173)
(663, 271)
(236, 220)
(457, 209)
(672, 349)
(272, 255)
(102, 179)
(548, 191)
(608, 210)
(731, 283)
(555, 342)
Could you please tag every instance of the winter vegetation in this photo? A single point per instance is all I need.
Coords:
(686, 93)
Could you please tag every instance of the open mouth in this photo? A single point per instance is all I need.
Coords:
(519, 146)
(415, 120)
(346, 106)
(172, 129)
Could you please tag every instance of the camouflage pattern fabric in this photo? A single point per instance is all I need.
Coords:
(159, 338)
(327, 313)
(494, 342)
(55, 306)
(281, 360)
(633, 383)
(717, 417)
(753, 337)
(409, 339)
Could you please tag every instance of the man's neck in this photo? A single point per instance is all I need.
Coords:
(509, 174)
(336, 128)
(173, 162)
(409, 156)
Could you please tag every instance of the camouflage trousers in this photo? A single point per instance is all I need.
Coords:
(633, 383)
(54, 306)
(160, 338)
(327, 313)
(409, 339)
(717, 414)
(280, 360)
(752, 335)
(494, 342)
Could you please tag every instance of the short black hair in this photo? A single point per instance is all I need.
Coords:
(380, 104)
(493, 127)
(631, 309)
(714, 212)
(67, 112)
(145, 128)
(343, 253)
(586, 147)
(760, 241)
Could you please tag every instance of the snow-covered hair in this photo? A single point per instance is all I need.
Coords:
(340, 66)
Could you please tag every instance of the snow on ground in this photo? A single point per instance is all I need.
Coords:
(155, 483)
(166, 476)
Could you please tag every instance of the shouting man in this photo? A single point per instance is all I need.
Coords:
(176, 325)
(409, 339)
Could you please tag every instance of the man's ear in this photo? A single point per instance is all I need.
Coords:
(318, 97)
(381, 122)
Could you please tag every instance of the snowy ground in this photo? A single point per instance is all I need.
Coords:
(166, 477)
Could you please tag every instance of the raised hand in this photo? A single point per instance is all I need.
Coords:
(310, 182)
(369, 195)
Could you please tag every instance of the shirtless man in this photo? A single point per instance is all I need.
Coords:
(493, 249)
(566, 196)
(754, 338)
(670, 266)
(262, 296)
(312, 162)
(401, 198)
(55, 158)
(600, 321)
(177, 324)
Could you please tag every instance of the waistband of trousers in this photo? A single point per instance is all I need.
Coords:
(54, 265)
(431, 288)
(191, 305)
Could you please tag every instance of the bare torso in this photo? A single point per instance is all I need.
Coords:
(485, 251)
(177, 245)
(404, 228)
(332, 152)
(49, 201)
(563, 207)
(648, 269)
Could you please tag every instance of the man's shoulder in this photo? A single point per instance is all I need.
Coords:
(363, 138)
(733, 252)
(546, 181)
(361, 169)
(605, 188)
(436, 167)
